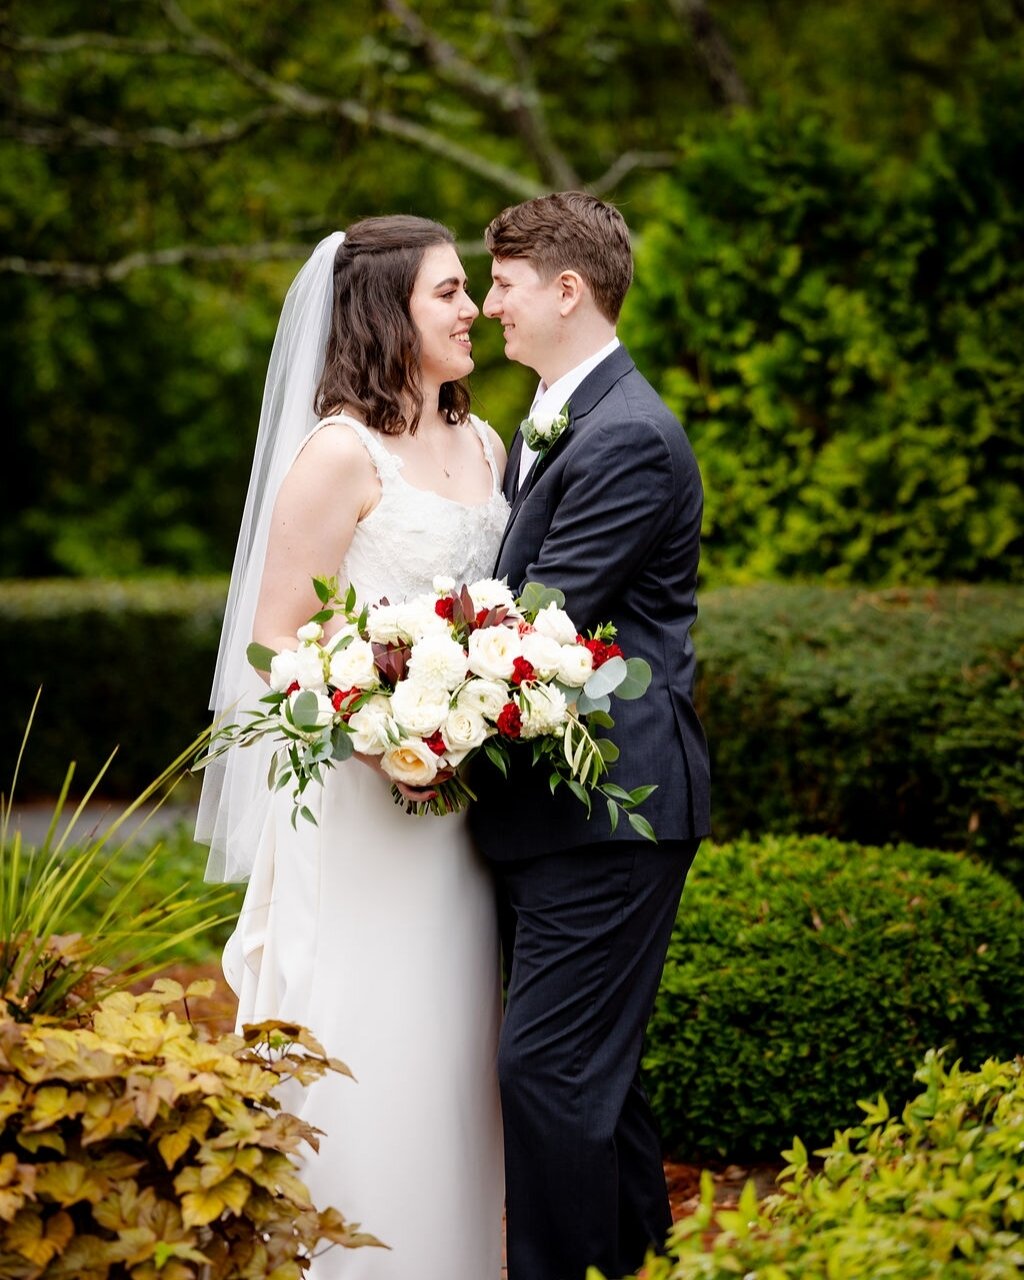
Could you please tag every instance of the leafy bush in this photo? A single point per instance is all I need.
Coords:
(869, 715)
(131, 1148)
(122, 664)
(79, 921)
(840, 336)
(804, 974)
(938, 1192)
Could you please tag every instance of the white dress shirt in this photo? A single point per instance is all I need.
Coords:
(551, 399)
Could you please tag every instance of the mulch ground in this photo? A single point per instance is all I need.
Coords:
(217, 1014)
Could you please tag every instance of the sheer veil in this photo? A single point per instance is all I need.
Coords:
(235, 797)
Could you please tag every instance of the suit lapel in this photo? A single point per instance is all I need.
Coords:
(510, 481)
(591, 391)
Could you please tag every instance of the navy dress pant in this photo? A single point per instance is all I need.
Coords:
(585, 934)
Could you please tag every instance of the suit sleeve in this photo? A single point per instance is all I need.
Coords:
(620, 497)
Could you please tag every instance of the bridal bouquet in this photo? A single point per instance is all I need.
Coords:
(427, 684)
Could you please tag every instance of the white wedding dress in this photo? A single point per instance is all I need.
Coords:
(376, 929)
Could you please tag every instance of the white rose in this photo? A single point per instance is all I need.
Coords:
(544, 422)
(283, 668)
(385, 624)
(310, 631)
(418, 708)
(410, 761)
(484, 696)
(418, 618)
(442, 584)
(463, 731)
(576, 666)
(309, 667)
(556, 623)
(542, 653)
(492, 651)
(489, 593)
(373, 728)
(543, 708)
(349, 629)
(438, 661)
(353, 667)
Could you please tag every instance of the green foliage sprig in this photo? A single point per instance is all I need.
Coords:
(804, 974)
(45, 966)
(131, 1148)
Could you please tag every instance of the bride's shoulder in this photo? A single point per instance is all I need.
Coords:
(335, 442)
(487, 432)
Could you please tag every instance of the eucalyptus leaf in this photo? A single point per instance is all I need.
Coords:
(305, 710)
(259, 656)
(342, 747)
(609, 751)
(535, 596)
(637, 681)
(606, 679)
(587, 706)
(600, 720)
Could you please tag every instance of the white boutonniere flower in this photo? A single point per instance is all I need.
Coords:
(542, 429)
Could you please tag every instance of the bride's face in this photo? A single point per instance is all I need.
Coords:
(443, 313)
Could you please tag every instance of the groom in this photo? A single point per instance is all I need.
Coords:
(610, 514)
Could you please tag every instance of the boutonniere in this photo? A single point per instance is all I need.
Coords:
(541, 430)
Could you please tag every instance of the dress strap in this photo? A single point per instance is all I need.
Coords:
(483, 433)
(387, 463)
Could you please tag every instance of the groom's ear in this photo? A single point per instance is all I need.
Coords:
(571, 288)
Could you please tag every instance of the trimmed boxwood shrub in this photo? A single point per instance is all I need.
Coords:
(937, 1192)
(870, 715)
(805, 974)
(122, 664)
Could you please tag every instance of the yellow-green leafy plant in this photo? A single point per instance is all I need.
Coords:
(129, 1147)
(45, 966)
(935, 1192)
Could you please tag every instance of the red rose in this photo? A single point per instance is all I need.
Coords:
(436, 743)
(522, 671)
(292, 688)
(510, 722)
(445, 608)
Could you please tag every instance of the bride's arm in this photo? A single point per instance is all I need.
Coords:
(330, 487)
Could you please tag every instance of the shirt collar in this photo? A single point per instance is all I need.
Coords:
(551, 399)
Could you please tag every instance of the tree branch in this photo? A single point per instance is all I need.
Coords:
(626, 163)
(97, 40)
(93, 273)
(56, 132)
(713, 48)
(520, 102)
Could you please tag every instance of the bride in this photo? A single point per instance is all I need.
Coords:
(373, 928)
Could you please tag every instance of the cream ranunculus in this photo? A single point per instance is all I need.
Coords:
(373, 728)
(410, 761)
(490, 593)
(353, 666)
(492, 651)
(484, 696)
(544, 710)
(556, 623)
(542, 653)
(419, 708)
(418, 618)
(462, 731)
(438, 661)
(576, 666)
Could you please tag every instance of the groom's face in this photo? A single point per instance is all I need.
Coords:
(528, 309)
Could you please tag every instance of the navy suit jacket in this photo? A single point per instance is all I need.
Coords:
(611, 516)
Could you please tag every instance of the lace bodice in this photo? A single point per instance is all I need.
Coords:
(413, 534)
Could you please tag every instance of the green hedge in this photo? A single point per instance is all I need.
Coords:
(937, 1192)
(122, 664)
(805, 974)
(840, 334)
(870, 715)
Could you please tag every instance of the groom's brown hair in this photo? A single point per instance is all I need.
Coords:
(569, 231)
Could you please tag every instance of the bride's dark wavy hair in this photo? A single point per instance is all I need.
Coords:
(373, 353)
